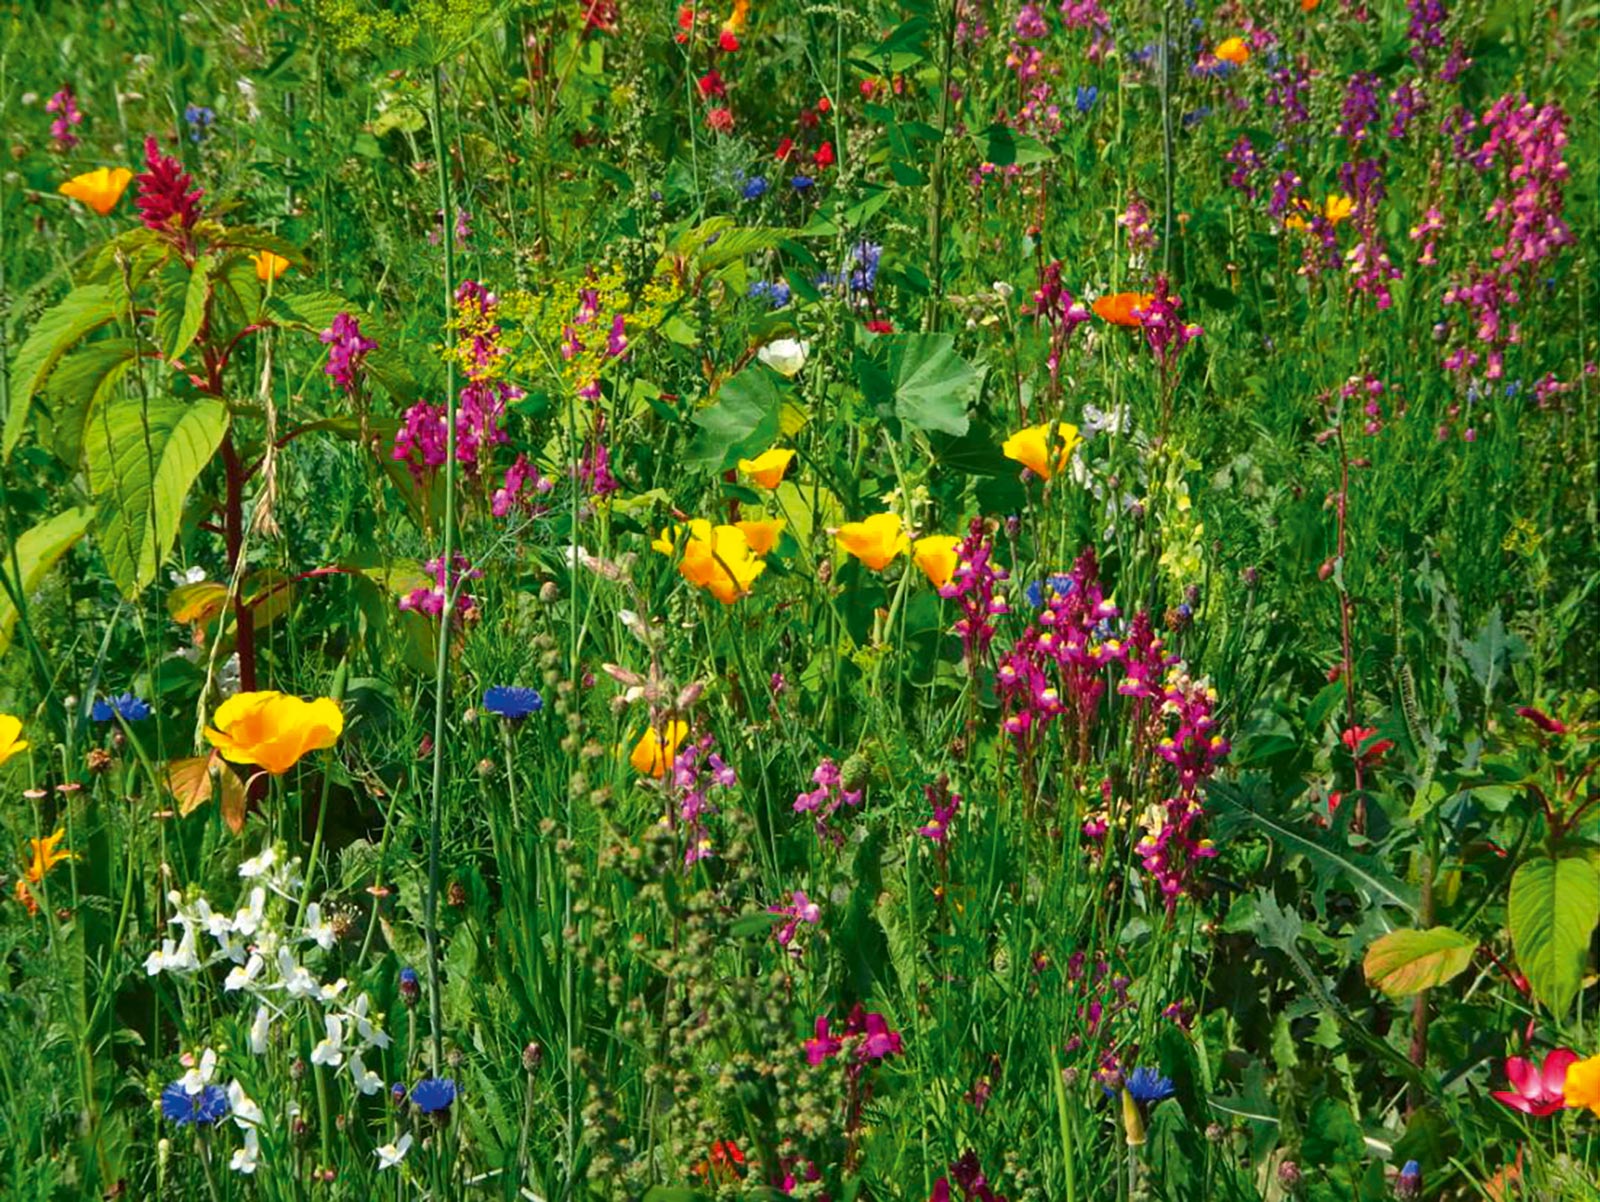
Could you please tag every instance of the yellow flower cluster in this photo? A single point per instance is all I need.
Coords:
(723, 560)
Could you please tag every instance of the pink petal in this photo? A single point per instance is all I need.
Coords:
(1514, 1100)
(1555, 1071)
(1524, 1077)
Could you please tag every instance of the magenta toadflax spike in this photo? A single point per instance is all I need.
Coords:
(347, 350)
(974, 586)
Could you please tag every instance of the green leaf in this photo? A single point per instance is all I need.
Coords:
(1403, 963)
(1552, 914)
(37, 551)
(744, 421)
(81, 382)
(195, 295)
(1491, 651)
(53, 335)
(1005, 147)
(1367, 874)
(142, 460)
(751, 926)
(929, 384)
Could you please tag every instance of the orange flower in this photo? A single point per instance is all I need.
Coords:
(654, 752)
(738, 17)
(767, 468)
(1119, 307)
(268, 265)
(936, 556)
(1336, 209)
(273, 730)
(99, 189)
(718, 559)
(1031, 448)
(876, 541)
(762, 534)
(44, 858)
(1233, 50)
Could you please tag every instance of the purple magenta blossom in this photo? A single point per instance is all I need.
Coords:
(347, 350)
(64, 104)
(826, 799)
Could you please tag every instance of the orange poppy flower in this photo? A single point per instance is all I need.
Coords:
(99, 189)
(1120, 308)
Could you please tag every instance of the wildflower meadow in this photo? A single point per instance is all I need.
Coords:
(913, 601)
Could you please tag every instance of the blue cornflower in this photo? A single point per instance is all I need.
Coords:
(865, 256)
(1087, 95)
(512, 701)
(1059, 585)
(755, 187)
(758, 289)
(199, 118)
(801, 182)
(1147, 1085)
(1409, 1184)
(779, 292)
(397, 1092)
(131, 709)
(208, 1106)
(433, 1094)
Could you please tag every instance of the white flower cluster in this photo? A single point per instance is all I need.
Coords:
(267, 969)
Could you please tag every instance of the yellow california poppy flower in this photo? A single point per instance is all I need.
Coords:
(268, 265)
(99, 189)
(1031, 448)
(936, 556)
(1582, 1089)
(11, 740)
(273, 730)
(761, 534)
(876, 541)
(654, 752)
(718, 559)
(1233, 50)
(767, 468)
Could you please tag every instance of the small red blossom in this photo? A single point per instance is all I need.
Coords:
(727, 42)
(881, 325)
(1542, 720)
(720, 120)
(824, 155)
(785, 148)
(711, 84)
(1356, 741)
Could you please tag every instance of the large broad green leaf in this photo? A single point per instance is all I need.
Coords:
(1552, 914)
(743, 422)
(53, 335)
(929, 384)
(80, 382)
(39, 550)
(1402, 963)
(1004, 147)
(142, 460)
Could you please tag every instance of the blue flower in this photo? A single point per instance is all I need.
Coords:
(128, 706)
(759, 288)
(1087, 95)
(433, 1094)
(1146, 1085)
(755, 187)
(1059, 585)
(208, 1106)
(779, 293)
(512, 701)
(801, 182)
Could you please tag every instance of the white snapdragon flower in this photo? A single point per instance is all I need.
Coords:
(200, 1073)
(260, 1030)
(317, 930)
(367, 1081)
(370, 1034)
(330, 1051)
(247, 1156)
(244, 976)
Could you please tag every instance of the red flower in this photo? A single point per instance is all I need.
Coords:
(726, 1162)
(165, 197)
(785, 147)
(711, 84)
(720, 120)
(1542, 720)
(1537, 1090)
(881, 325)
(824, 155)
(727, 41)
(824, 105)
(1356, 736)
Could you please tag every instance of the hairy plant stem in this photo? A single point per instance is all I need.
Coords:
(441, 679)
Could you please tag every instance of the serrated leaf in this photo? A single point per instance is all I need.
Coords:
(195, 295)
(55, 333)
(1403, 963)
(38, 550)
(743, 421)
(143, 458)
(81, 381)
(1552, 913)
